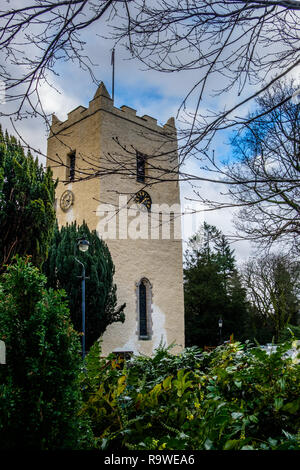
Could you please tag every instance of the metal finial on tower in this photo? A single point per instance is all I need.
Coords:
(113, 72)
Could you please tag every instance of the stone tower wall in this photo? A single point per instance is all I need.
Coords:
(111, 136)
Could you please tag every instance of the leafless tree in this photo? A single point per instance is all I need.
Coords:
(266, 168)
(272, 285)
(37, 34)
(241, 49)
(233, 44)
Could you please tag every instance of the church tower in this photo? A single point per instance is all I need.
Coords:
(118, 172)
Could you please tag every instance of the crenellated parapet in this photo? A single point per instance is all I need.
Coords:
(102, 101)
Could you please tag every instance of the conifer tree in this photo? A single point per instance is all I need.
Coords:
(27, 194)
(64, 272)
(212, 289)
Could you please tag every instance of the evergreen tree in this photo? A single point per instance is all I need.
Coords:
(27, 195)
(212, 289)
(64, 272)
(40, 394)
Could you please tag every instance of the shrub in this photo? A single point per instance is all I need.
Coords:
(235, 397)
(290, 331)
(39, 386)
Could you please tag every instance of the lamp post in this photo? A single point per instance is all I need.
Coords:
(83, 246)
(220, 329)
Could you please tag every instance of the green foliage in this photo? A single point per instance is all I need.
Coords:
(235, 398)
(290, 332)
(258, 327)
(39, 387)
(272, 284)
(64, 272)
(212, 289)
(27, 195)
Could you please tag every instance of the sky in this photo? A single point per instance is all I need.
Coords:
(149, 92)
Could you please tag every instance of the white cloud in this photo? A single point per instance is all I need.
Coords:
(55, 101)
(221, 218)
(132, 85)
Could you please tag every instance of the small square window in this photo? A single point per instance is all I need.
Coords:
(140, 167)
(71, 166)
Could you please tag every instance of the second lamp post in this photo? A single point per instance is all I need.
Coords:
(220, 329)
(83, 246)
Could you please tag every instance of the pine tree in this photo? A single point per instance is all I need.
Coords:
(27, 194)
(64, 272)
(212, 289)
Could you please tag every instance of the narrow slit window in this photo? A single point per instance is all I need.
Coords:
(71, 165)
(143, 309)
(140, 167)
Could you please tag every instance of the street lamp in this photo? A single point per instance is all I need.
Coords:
(220, 329)
(83, 246)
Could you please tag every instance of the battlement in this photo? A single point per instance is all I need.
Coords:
(76, 113)
(102, 101)
(128, 110)
(150, 119)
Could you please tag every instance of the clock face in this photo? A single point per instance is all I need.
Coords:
(143, 199)
(66, 200)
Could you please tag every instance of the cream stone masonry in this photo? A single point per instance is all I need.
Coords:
(107, 138)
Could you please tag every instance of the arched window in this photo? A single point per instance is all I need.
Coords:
(144, 301)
